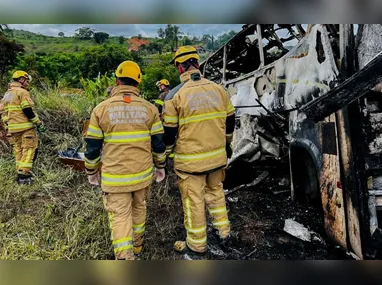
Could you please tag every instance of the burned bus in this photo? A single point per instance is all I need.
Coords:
(308, 96)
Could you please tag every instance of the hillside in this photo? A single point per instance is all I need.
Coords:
(42, 44)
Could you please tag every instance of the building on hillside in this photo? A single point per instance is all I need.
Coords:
(135, 43)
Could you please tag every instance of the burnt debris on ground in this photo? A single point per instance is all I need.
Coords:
(257, 218)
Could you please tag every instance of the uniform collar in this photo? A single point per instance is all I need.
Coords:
(187, 75)
(124, 89)
(15, 84)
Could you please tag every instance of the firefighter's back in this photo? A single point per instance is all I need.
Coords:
(126, 125)
(202, 110)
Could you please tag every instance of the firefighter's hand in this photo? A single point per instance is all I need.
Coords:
(228, 149)
(94, 179)
(160, 174)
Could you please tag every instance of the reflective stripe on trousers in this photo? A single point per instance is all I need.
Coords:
(138, 229)
(123, 244)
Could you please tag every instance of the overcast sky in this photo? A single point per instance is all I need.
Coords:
(127, 30)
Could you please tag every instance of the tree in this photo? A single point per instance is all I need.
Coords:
(9, 50)
(157, 69)
(161, 33)
(100, 37)
(139, 36)
(176, 32)
(61, 34)
(172, 33)
(224, 38)
(3, 27)
(84, 33)
(186, 41)
(121, 40)
(102, 59)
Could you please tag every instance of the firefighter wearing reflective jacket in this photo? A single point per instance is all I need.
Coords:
(199, 120)
(20, 122)
(128, 132)
(164, 87)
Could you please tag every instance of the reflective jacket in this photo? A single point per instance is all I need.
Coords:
(197, 116)
(18, 114)
(159, 102)
(129, 132)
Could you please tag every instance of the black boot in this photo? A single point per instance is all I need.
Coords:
(24, 179)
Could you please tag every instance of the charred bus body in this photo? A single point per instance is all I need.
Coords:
(306, 99)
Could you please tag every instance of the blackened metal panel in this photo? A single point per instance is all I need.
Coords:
(329, 143)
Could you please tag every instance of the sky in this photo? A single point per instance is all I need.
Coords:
(128, 30)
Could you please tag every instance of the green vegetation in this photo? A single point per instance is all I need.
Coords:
(61, 216)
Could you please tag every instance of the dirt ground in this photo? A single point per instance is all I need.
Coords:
(257, 218)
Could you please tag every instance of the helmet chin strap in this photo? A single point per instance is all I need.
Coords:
(186, 66)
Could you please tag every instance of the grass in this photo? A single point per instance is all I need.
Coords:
(61, 216)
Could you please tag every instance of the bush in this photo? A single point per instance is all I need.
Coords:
(157, 68)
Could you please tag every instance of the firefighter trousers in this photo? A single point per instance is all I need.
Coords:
(127, 217)
(198, 191)
(25, 149)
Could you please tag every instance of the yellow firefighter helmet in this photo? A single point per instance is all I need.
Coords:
(185, 53)
(129, 69)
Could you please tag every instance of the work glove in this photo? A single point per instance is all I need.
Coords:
(160, 174)
(94, 179)
(228, 149)
(41, 128)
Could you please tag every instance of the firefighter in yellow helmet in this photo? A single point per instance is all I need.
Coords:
(128, 132)
(21, 121)
(199, 120)
(164, 87)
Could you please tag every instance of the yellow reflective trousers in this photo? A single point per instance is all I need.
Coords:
(127, 216)
(24, 147)
(198, 191)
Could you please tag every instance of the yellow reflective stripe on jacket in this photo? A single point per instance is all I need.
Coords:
(156, 128)
(159, 102)
(171, 119)
(92, 163)
(20, 126)
(203, 117)
(122, 137)
(199, 156)
(230, 108)
(35, 120)
(128, 179)
(4, 118)
(94, 131)
(13, 108)
(222, 209)
(138, 229)
(24, 104)
(123, 244)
